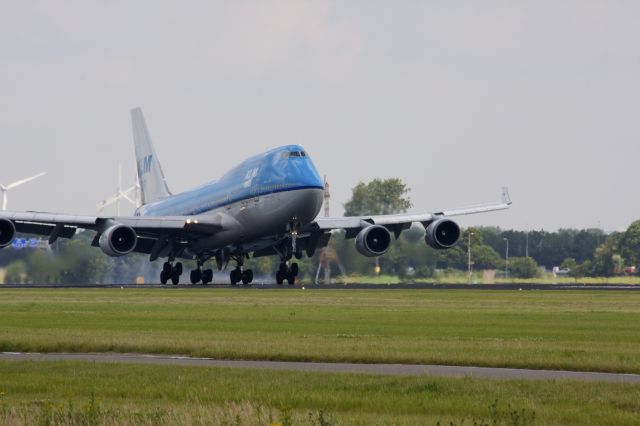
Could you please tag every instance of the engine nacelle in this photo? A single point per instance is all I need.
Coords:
(373, 241)
(7, 232)
(118, 240)
(442, 234)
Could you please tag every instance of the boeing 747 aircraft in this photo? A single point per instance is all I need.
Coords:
(265, 206)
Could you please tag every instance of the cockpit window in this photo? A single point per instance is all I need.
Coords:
(288, 154)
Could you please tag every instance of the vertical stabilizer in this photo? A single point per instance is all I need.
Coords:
(152, 182)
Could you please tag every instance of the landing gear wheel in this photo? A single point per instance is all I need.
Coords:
(207, 276)
(292, 279)
(247, 276)
(196, 276)
(279, 278)
(294, 270)
(236, 276)
(171, 272)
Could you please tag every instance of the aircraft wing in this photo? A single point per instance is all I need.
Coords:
(399, 222)
(148, 228)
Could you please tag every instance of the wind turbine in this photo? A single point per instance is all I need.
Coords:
(5, 188)
(121, 194)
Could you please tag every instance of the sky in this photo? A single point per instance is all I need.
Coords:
(456, 98)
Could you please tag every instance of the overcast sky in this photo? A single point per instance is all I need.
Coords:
(456, 98)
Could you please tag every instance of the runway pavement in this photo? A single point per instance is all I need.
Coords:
(359, 286)
(381, 369)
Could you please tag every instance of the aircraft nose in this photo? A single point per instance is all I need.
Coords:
(309, 204)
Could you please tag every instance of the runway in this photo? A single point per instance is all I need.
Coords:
(358, 286)
(323, 367)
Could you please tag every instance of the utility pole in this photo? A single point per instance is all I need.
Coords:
(469, 256)
(506, 265)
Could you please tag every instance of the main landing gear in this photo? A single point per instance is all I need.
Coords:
(199, 274)
(240, 274)
(288, 273)
(171, 271)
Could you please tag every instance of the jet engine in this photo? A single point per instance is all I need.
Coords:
(118, 240)
(442, 234)
(7, 232)
(373, 241)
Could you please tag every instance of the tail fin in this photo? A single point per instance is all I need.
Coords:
(152, 182)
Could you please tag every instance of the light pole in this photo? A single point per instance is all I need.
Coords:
(469, 255)
(506, 265)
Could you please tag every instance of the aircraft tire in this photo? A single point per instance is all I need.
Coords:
(207, 276)
(236, 276)
(196, 276)
(163, 277)
(294, 270)
(177, 269)
(279, 278)
(291, 279)
(247, 276)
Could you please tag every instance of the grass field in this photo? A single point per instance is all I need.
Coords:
(597, 331)
(88, 393)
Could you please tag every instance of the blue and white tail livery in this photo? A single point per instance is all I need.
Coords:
(267, 205)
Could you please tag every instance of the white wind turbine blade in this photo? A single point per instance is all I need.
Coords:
(106, 202)
(115, 197)
(125, 194)
(20, 182)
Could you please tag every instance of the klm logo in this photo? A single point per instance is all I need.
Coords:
(144, 165)
(249, 177)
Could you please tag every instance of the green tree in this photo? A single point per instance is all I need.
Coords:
(482, 255)
(378, 197)
(523, 267)
(603, 263)
(44, 267)
(582, 270)
(569, 263)
(16, 271)
(630, 244)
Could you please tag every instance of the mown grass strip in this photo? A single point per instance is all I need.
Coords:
(591, 331)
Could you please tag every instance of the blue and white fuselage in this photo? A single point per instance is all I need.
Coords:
(264, 194)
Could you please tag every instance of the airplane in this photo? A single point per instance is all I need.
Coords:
(267, 205)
